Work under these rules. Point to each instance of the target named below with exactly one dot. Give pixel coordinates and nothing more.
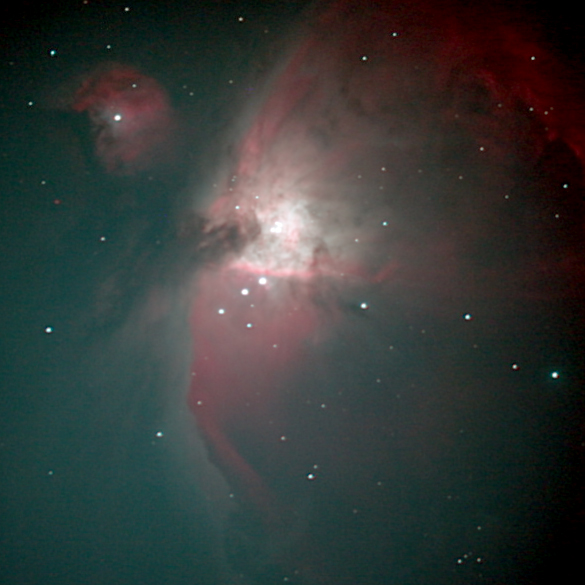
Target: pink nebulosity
(378, 163)
(131, 116)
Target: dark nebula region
(400, 165)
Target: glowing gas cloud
(131, 117)
(388, 164)
(401, 164)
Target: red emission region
(131, 118)
(400, 158)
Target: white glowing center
(287, 241)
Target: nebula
(400, 170)
(131, 117)
(400, 159)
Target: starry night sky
(421, 420)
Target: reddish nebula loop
(131, 117)
(382, 154)
(247, 336)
